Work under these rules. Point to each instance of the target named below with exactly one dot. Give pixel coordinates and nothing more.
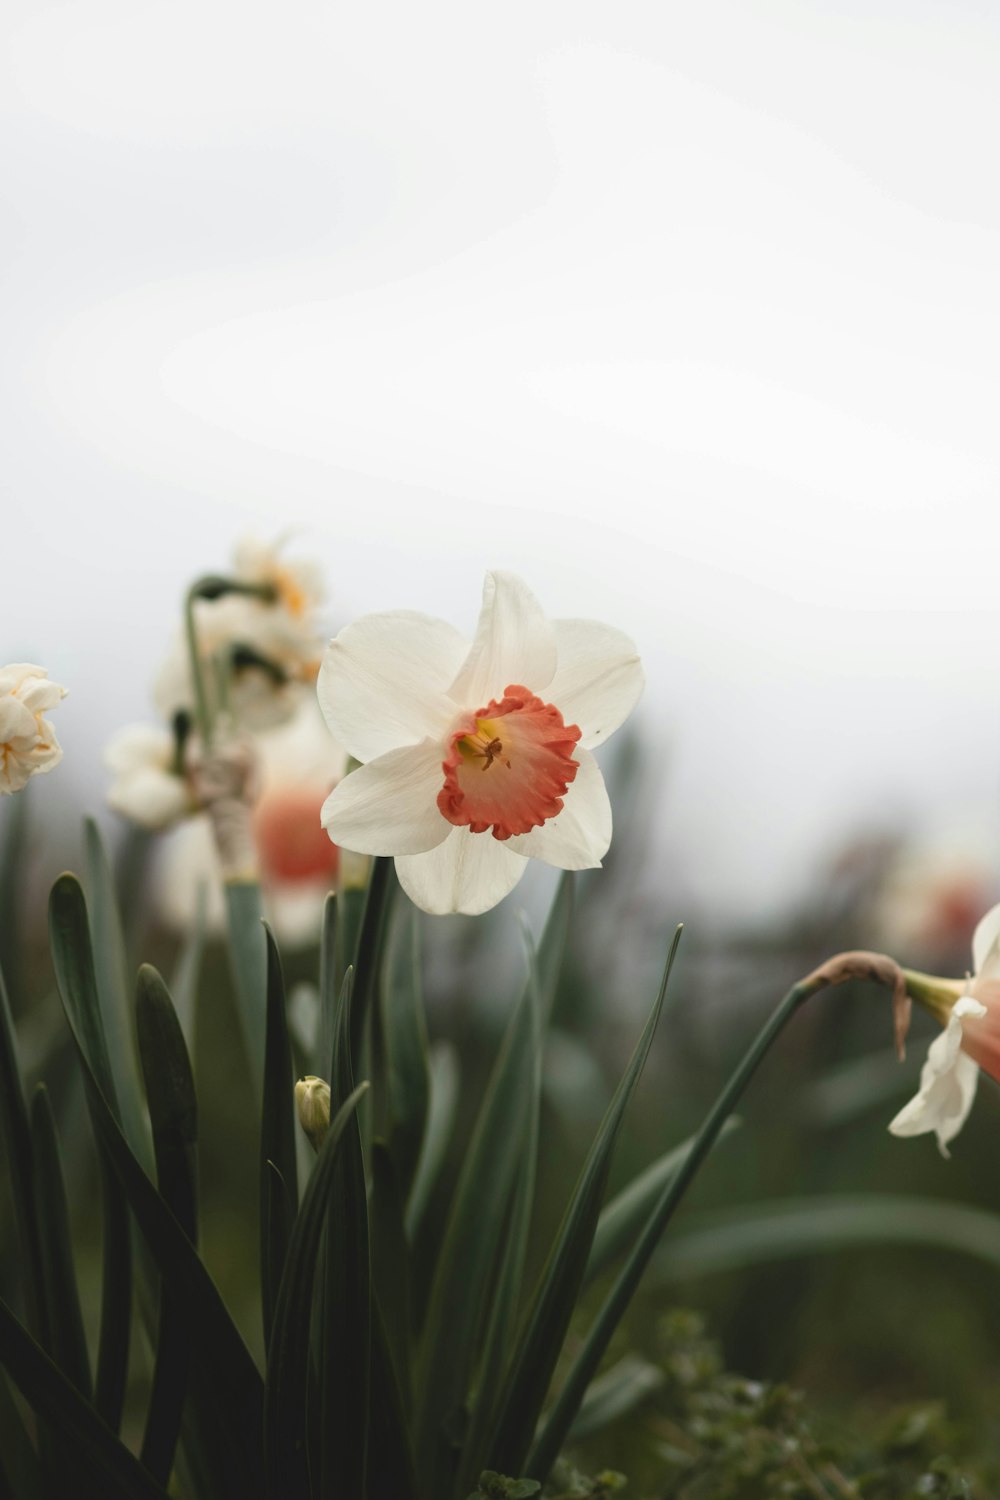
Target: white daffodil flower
(146, 788)
(970, 1012)
(475, 757)
(28, 743)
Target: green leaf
(279, 1193)
(248, 959)
(391, 1470)
(390, 1265)
(14, 814)
(367, 960)
(614, 1394)
(507, 1293)
(345, 1362)
(442, 1080)
(623, 1217)
(406, 1047)
(116, 1296)
(559, 1286)
(286, 1390)
(472, 1243)
(329, 984)
(552, 948)
(217, 1346)
(113, 996)
(174, 1117)
(187, 971)
(17, 1141)
(57, 1401)
(730, 1239)
(62, 1297)
(73, 961)
(19, 1466)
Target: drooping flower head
(475, 756)
(149, 787)
(969, 1009)
(28, 743)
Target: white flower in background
(28, 743)
(276, 642)
(146, 787)
(297, 863)
(475, 757)
(970, 1012)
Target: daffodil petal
(153, 799)
(986, 942)
(578, 837)
(384, 680)
(389, 806)
(469, 872)
(598, 678)
(948, 1083)
(17, 723)
(515, 643)
(137, 747)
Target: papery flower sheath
(475, 757)
(970, 1011)
(28, 743)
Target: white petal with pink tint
(578, 837)
(515, 643)
(598, 678)
(469, 872)
(986, 941)
(384, 681)
(948, 1082)
(388, 806)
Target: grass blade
(248, 960)
(111, 972)
(406, 1048)
(16, 1132)
(62, 1297)
(367, 960)
(391, 1470)
(286, 1391)
(19, 1467)
(58, 1402)
(390, 1267)
(442, 1085)
(614, 1394)
(555, 1298)
(278, 1172)
(173, 1115)
(116, 1296)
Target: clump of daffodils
(476, 756)
(28, 744)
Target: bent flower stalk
(475, 757)
(969, 1009)
(28, 743)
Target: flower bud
(312, 1102)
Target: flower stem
(553, 1435)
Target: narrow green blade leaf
(278, 1172)
(391, 1469)
(390, 1266)
(623, 1217)
(248, 959)
(541, 1340)
(16, 1133)
(116, 1296)
(442, 1079)
(329, 984)
(552, 948)
(286, 1390)
(406, 1047)
(345, 1359)
(113, 996)
(730, 1239)
(472, 1243)
(62, 1297)
(19, 1464)
(216, 1344)
(367, 961)
(14, 815)
(187, 971)
(173, 1115)
(73, 961)
(58, 1402)
(507, 1294)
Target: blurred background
(689, 315)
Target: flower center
(508, 766)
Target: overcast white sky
(689, 314)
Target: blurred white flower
(272, 644)
(475, 757)
(970, 1012)
(297, 864)
(147, 789)
(28, 743)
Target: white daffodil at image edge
(475, 757)
(969, 1010)
(28, 743)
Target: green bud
(312, 1101)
